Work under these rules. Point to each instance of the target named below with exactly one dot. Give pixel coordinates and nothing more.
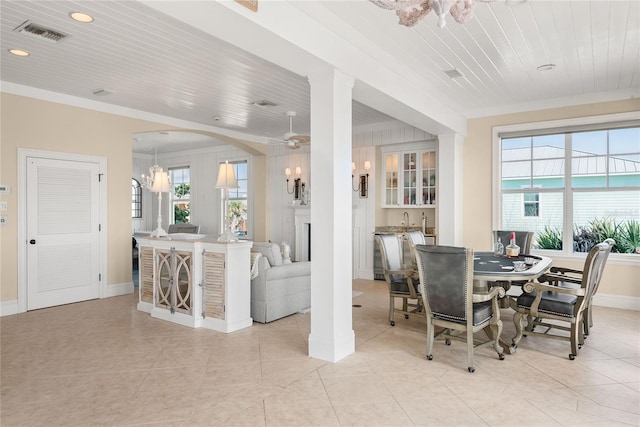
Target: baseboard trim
(623, 302)
(118, 289)
(8, 308)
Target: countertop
(392, 229)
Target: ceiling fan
(291, 139)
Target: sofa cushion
(269, 250)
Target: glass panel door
(428, 178)
(409, 178)
(391, 179)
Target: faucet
(405, 218)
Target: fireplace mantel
(302, 217)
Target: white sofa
(281, 287)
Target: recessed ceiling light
(546, 67)
(81, 17)
(19, 52)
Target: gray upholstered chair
(413, 238)
(558, 275)
(523, 239)
(184, 227)
(562, 299)
(401, 279)
(446, 285)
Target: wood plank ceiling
(154, 63)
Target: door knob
(32, 241)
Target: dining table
(490, 269)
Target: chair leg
(587, 320)
(470, 360)
(517, 320)
(430, 337)
(496, 329)
(581, 323)
(530, 326)
(575, 329)
(391, 309)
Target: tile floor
(104, 363)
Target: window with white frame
(238, 207)
(587, 178)
(136, 199)
(180, 195)
(531, 204)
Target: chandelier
(411, 11)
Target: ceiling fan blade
(300, 139)
(292, 145)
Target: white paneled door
(63, 240)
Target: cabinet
(410, 176)
(195, 281)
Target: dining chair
(413, 238)
(446, 285)
(562, 299)
(559, 274)
(401, 280)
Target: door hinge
(100, 177)
(99, 227)
(99, 277)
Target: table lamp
(227, 180)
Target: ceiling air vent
(454, 73)
(264, 103)
(49, 34)
(102, 92)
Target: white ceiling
(169, 58)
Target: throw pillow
(269, 250)
(286, 253)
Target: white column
(331, 336)
(450, 197)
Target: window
(180, 195)
(531, 204)
(587, 178)
(136, 199)
(238, 200)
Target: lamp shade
(161, 182)
(226, 177)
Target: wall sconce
(298, 185)
(363, 182)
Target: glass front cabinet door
(391, 179)
(410, 176)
